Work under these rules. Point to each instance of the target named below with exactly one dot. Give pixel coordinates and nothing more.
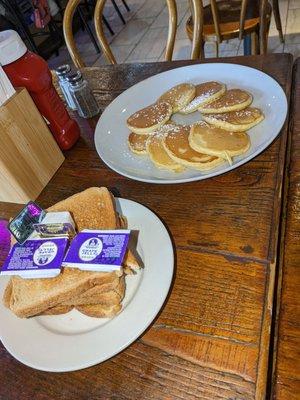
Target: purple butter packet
(101, 251)
(4, 241)
(36, 258)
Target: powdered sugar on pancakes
(150, 116)
(179, 96)
(230, 98)
(205, 92)
(166, 129)
(249, 114)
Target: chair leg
(247, 45)
(118, 11)
(89, 31)
(264, 24)
(217, 48)
(254, 43)
(263, 41)
(107, 25)
(61, 11)
(277, 18)
(87, 6)
(126, 5)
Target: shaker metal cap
(73, 79)
(63, 70)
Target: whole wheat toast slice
(96, 297)
(99, 303)
(33, 296)
(122, 222)
(96, 292)
(99, 295)
(94, 208)
(105, 299)
(102, 300)
(100, 311)
(93, 310)
(110, 282)
(7, 294)
(60, 309)
(130, 261)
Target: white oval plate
(74, 341)
(112, 133)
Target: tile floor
(143, 37)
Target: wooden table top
(287, 357)
(211, 340)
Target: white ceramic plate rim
(221, 170)
(139, 313)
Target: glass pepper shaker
(62, 72)
(82, 95)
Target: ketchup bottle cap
(12, 47)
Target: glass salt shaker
(62, 72)
(82, 95)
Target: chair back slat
(197, 42)
(263, 27)
(98, 22)
(216, 19)
(172, 29)
(242, 18)
(68, 33)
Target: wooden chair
(71, 45)
(197, 47)
(73, 6)
(230, 19)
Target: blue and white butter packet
(101, 251)
(36, 258)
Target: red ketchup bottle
(27, 69)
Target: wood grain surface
(29, 155)
(287, 354)
(211, 339)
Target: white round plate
(74, 341)
(112, 133)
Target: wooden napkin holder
(29, 155)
